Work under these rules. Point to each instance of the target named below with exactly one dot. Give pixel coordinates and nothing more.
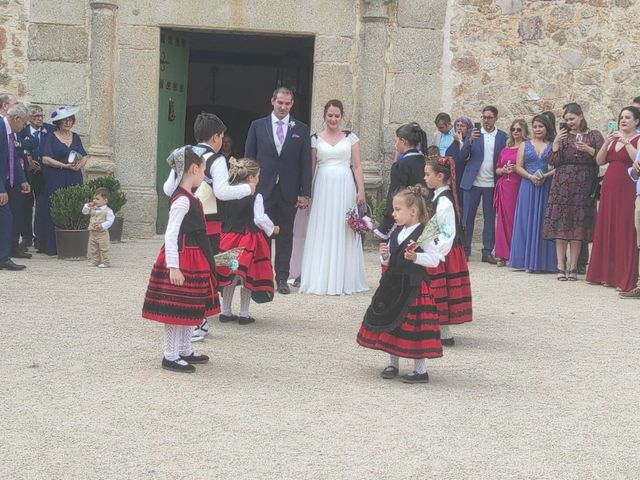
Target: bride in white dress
(332, 263)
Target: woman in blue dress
(63, 158)
(529, 250)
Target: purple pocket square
(295, 135)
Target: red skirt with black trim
(451, 288)
(189, 303)
(417, 337)
(254, 263)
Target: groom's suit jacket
(291, 169)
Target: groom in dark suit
(282, 147)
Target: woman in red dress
(614, 256)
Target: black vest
(238, 215)
(433, 207)
(192, 228)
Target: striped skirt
(189, 303)
(451, 288)
(417, 337)
(254, 263)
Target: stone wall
(13, 47)
(526, 56)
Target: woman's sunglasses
(516, 129)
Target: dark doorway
(234, 75)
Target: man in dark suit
(282, 147)
(481, 153)
(32, 139)
(11, 175)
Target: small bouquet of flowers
(357, 219)
(229, 258)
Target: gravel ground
(543, 384)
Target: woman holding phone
(463, 129)
(571, 212)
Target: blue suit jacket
(292, 168)
(18, 172)
(30, 144)
(473, 154)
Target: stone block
(139, 212)
(531, 28)
(73, 12)
(138, 37)
(415, 97)
(572, 59)
(136, 118)
(408, 57)
(332, 80)
(58, 43)
(422, 13)
(334, 49)
(58, 83)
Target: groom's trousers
(283, 214)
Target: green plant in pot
(72, 235)
(116, 201)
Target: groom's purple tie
(280, 131)
(11, 157)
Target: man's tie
(12, 147)
(280, 131)
(38, 133)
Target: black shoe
(489, 259)
(283, 288)
(19, 253)
(448, 342)
(389, 372)
(246, 320)
(9, 265)
(415, 378)
(296, 282)
(227, 318)
(176, 367)
(195, 359)
(25, 246)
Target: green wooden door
(172, 107)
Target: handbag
(595, 188)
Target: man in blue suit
(481, 153)
(11, 175)
(282, 147)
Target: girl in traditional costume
(402, 319)
(182, 287)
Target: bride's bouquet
(357, 219)
(229, 258)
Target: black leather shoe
(296, 282)
(9, 265)
(227, 318)
(489, 259)
(283, 288)
(19, 253)
(415, 378)
(448, 342)
(195, 359)
(245, 320)
(176, 367)
(389, 372)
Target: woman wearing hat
(63, 157)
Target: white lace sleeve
(430, 257)
(179, 209)
(260, 218)
(170, 184)
(314, 141)
(353, 138)
(221, 188)
(446, 217)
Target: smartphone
(564, 125)
(612, 126)
(477, 125)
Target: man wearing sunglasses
(481, 153)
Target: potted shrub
(72, 234)
(116, 202)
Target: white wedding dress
(332, 263)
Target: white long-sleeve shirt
(179, 208)
(220, 177)
(446, 218)
(429, 257)
(260, 218)
(106, 225)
